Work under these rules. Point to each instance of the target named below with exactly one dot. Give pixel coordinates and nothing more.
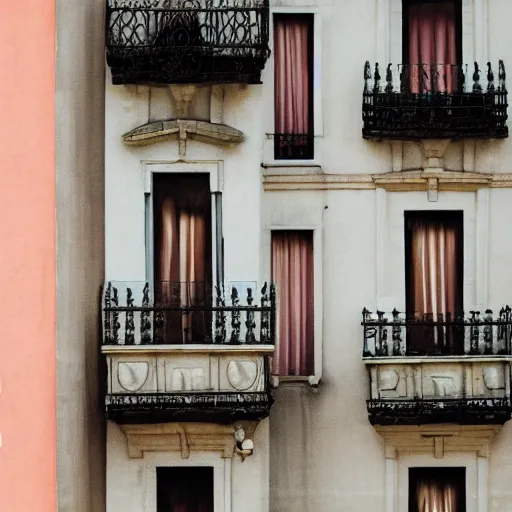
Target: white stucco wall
(322, 453)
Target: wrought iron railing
(187, 312)
(294, 146)
(397, 334)
(187, 41)
(412, 102)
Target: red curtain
(432, 47)
(291, 76)
(292, 273)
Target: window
(293, 87)
(434, 280)
(432, 44)
(184, 489)
(293, 275)
(182, 256)
(437, 489)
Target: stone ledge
(404, 181)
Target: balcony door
(432, 44)
(182, 256)
(434, 281)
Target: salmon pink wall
(27, 256)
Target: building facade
(306, 256)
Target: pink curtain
(291, 76)
(292, 273)
(436, 496)
(432, 47)
(434, 279)
(182, 259)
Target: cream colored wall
(323, 451)
(80, 257)
(324, 455)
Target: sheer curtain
(182, 260)
(291, 76)
(434, 281)
(183, 254)
(432, 47)
(292, 273)
(437, 496)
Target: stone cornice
(437, 439)
(405, 181)
(181, 437)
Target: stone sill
(436, 359)
(187, 349)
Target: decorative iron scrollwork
(186, 312)
(129, 319)
(434, 101)
(235, 316)
(191, 41)
(478, 334)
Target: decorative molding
(187, 349)
(183, 129)
(406, 181)
(437, 439)
(181, 437)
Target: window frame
(309, 18)
(222, 471)
(311, 238)
(215, 172)
(456, 216)
(268, 84)
(476, 480)
(317, 230)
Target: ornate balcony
(190, 41)
(415, 102)
(181, 353)
(438, 369)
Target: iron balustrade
(422, 411)
(439, 101)
(392, 335)
(187, 312)
(187, 41)
(294, 146)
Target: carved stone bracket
(433, 151)
(181, 437)
(183, 129)
(183, 94)
(437, 439)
